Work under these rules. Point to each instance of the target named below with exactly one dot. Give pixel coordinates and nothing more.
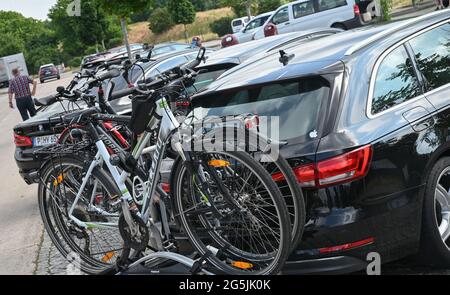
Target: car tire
(59, 77)
(42, 81)
(339, 26)
(435, 237)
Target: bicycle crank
(134, 239)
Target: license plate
(45, 140)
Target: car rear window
(297, 104)
(237, 23)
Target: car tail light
(22, 141)
(340, 169)
(344, 168)
(356, 10)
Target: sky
(30, 8)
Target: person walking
(439, 4)
(19, 86)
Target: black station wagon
(366, 118)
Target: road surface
(21, 230)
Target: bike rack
(188, 262)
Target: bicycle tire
(280, 206)
(56, 227)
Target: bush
(160, 21)
(75, 62)
(222, 26)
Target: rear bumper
(44, 78)
(28, 166)
(355, 22)
(326, 266)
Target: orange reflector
(242, 264)
(219, 163)
(108, 256)
(58, 180)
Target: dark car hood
(54, 112)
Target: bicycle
(136, 225)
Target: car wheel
(435, 239)
(59, 77)
(339, 26)
(42, 81)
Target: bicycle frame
(168, 125)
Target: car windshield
(256, 23)
(295, 104)
(203, 80)
(49, 68)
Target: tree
(29, 36)
(89, 29)
(269, 5)
(124, 9)
(242, 7)
(222, 26)
(183, 12)
(160, 20)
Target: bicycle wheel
(249, 234)
(281, 172)
(97, 248)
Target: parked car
(221, 61)
(93, 61)
(247, 33)
(238, 23)
(42, 129)
(313, 14)
(365, 117)
(48, 72)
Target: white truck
(7, 64)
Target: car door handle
(287, 24)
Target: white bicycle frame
(168, 124)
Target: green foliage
(125, 8)
(75, 62)
(160, 21)
(256, 6)
(202, 5)
(182, 11)
(29, 36)
(222, 26)
(386, 6)
(92, 28)
(269, 5)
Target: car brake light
(344, 168)
(22, 141)
(340, 169)
(356, 10)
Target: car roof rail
(385, 33)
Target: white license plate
(45, 140)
